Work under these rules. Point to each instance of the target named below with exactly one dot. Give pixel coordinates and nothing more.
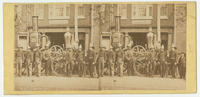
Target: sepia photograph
(83, 46)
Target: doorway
(138, 39)
(56, 38)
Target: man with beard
(91, 61)
(69, 61)
(111, 60)
(129, 60)
(81, 63)
(47, 61)
(182, 65)
(101, 62)
(38, 58)
(173, 65)
(120, 60)
(162, 60)
(29, 61)
(19, 60)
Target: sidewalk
(104, 83)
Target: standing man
(69, 61)
(71, 64)
(162, 60)
(172, 56)
(153, 62)
(47, 61)
(66, 59)
(19, 60)
(111, 60)
(101, 61)
(128, 58)
(182, 65)
(81, 63)
(92, 61)
(29, 62)
(38, 57)
(120, 60)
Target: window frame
(165, 16)
(52, 8)
(82, 16)
(147, 7)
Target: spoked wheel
(139, 53)
(139, 49)
(57, 56)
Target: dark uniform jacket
(29, 56)
(162, 56)
(120, 54)
(111, 56)
(38, 54)
(19, 54)
(91, 55)
(80, 56)
(172, 55)
(69, 56)
(102, 53)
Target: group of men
(113, 62)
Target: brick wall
(181, 27)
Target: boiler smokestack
(35, 23)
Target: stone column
(76, 25)
(86, 42)
(174, 38)
(158, 25)
(92, 27)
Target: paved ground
(104, 83)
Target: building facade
(102, 24)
